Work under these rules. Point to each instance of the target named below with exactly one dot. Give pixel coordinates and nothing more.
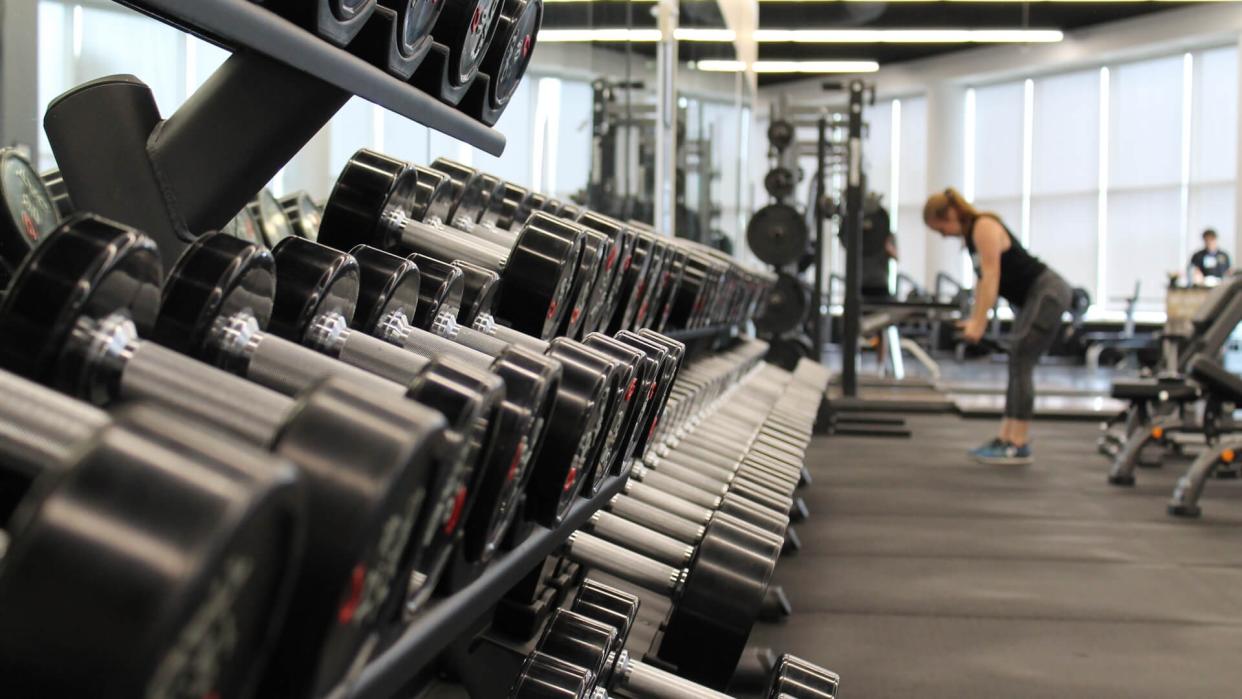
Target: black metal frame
(449, 619)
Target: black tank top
(1018, 268)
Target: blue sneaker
(1001, 453)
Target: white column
(946, 166)
(666, 124)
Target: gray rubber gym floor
(925, 575)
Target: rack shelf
(242, 24)
(446, 619)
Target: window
(911, 164)
(998, 152)
(1065, 175)
(1213, 148)
(1145, 220)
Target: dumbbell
(338, 21)
(220, 529)
(640, 284)
(716, 598)
(508, 57)
(303, 214)
(222, 295)
(616, 246)
(437, 311)
(58, 190)
(245, 225)
(318, 311)
(580, 401)
(388, 299)
(592, 634)
(371, 204)
(29, 212)
(274, 224)
(398, 35)
(462, 35)
(69, 320)
(600, 253)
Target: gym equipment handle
(671, 503)
(637, 680)
(40, 428)
(655, 518)
(234, 404)
(631, 534)
(623, 563)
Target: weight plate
(231, 519)
(86, 268)
(467, 28)
(777, 234)
(303, 214)
(571, 436)
(780, 182)
(273, 223)
(479, 290)
(442, 291)
(788, 305)
(510, 52)
(579, 640)
(709, 624)
(216, 277)
(388, 288)
(417, 17)
(780, 134)
(538, 276)
(59, 191)
(315, 280)
(546, 677)
(29, 212)
(245, 226)
(434, 197)
(372, 197)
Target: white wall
(1214, 190)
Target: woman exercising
(1038, 295)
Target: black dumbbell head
(480, 290)
(312, 280)
(29, 212)
(273, 221)
(442, 291)
(372, 195)
(607, 605)
(579, 640)
(215, 277)
(797, 679)
(546, 677)
(510, 52)
(433, 198)
(387, 285)
(467, 27)
(231, 519)
(88, 267)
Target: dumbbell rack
(178, 176)
(447, 619)
(241, 23)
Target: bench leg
(1185, 500)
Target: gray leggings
(1035, 327)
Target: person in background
(1038, 295)
(1210, 263)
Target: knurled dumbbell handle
(682, 508)
(636, 680)
(40, 428)
(633, 535)
(381, 358)
(656, 518)
(622, 562)
(289, 368)
(231, 403)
